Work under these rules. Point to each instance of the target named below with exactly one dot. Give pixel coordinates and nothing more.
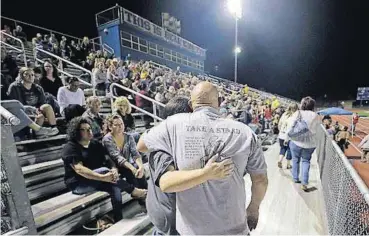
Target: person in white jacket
(364, 145)
(71, 99)
(303, 145)
(282, 136)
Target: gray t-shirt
(219, 206)
(161, 207)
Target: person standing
(282, 136)
(301, 132)
(209, 206)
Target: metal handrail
(68, 62)
(67, 74)
(143, 111)
(21, 43)
(135, 93)
(154, 103)
(108, 48)
(42, 28)
(9, 117)
(20, 231)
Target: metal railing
(67, 74)
(345, 194)
(108, 15)
(154, 103)
(17, 49)
(9, 117)
(18, 22)
(108, 49)
(60, 59)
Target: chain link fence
(345, 194)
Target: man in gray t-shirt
(215, 206)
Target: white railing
(60, 59)
(67, 74)
(17, 49)
(154, 102)
(108, 49)
(17, 22)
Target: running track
(362, 129)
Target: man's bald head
(204, 94)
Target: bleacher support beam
(13, 189)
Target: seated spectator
(122, 70)
(5, 38)
(50, 80)
(38, 74)
(19, 33)
(32, 96)
(123, 108)
(11, 64)
(88, 170)
(36, 41)
(93, 115)
(71, 99)
(144, 104)
(99, 77)
(85, 47)
(18, 110)
(122, 150)
(342, 138)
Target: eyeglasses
(86, 130)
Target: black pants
(131, 179)
(115, 191)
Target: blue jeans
(114, 190)
(304, 155)
(285, 149)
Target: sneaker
(297, 181)
(46, 132)
(304, 187)
(289, 166)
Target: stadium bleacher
(58, 211)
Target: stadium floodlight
(237, 50)
(235, 7)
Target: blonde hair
(20, 76)
(291, 109)
(91, 100)
(123, 101)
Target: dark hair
(70, 80)
(142, 86)
(55, 70)
(73, 131)
(345, 128)
(307, 104)
(177, 105)
(37, 70)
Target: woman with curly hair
(87, 169)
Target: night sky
(290, 47)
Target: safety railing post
(154, 112)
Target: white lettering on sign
(148, 26)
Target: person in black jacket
(32, 96)
(87, 169)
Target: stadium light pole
(235, 8)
